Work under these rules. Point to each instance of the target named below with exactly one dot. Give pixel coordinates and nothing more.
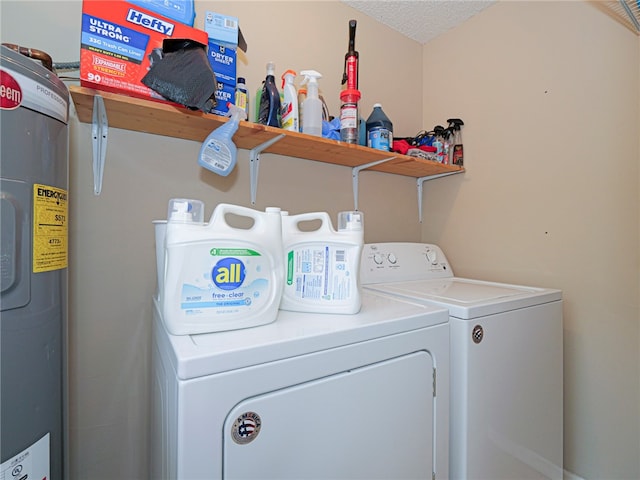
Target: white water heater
(34, 107)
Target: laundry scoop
(183, 74)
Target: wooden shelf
(159, 118)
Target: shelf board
(166, 119)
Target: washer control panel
(402, 261)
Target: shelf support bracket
(355, 171)
(99, 134)
(254, 164)
(421, 180)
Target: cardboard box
(223, 32)
(118, 39)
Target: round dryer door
(371, 422)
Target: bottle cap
(185, 210)
(350, 95)
(350, 221)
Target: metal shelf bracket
(421, 180)
(354, 177)
(254, 164)
(99, 134)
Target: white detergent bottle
(289, 102)
(218, 152)
(222, 277)
(323, 265)
(312, 105)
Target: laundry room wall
(549, 93)
(112, 257)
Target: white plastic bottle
(322, 266)
(218, 277)
(312, 120)
(289, 102)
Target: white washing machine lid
(468, 299)
(295, 333)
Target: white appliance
(322, 396)
(506, 361)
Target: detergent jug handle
(324, 217)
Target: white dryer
(309, 396)
(506, 361)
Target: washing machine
(309, 396)
(506, 361)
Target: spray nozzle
(288, 76)
(455, 123)
(236, 113)
(311, 77)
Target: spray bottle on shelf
(438, 142)
(270, 99)
(290, 102)
(312, 105)
(457, 151)
(302, 95)
(218, 152)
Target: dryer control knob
(392, 258)
(377, 258)
(432, 256)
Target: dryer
(322, 396)
(506, 361)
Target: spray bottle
(270, 99)
(290, 102)
(312, 104)
(218, 152)
(457, 151)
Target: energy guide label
(50, 228)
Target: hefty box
(119, 39)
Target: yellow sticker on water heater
(50, 229)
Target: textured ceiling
(420, 20)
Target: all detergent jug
(219, 277)
(323, 265)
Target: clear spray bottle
(312, 120)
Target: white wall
(549, 92)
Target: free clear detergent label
(320, 273)
(223, 281)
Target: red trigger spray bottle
(349, 117)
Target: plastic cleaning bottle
(270, 99)
(349, 118)
(302, 95)
(379, 129)
(242, 96)
(290, 102)
(322, 266)
(438, 143)
(218, 277)
(218, 152)
(457, 150)
(312, 104)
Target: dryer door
(372, 422)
